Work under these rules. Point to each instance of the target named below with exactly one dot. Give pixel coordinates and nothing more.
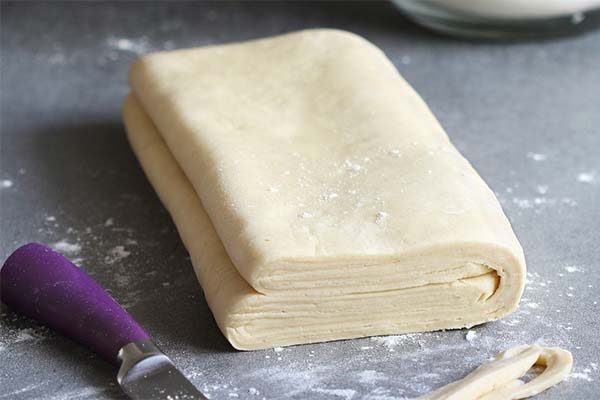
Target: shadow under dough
(88, 174)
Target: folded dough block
(318, 196)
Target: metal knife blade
(44, 285)
(147, 374)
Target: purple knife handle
(47, 287)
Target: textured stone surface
(525, 114)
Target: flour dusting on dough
(395, 153)
(453, 210)
(353, 166)
(329, 196)
(381, 217)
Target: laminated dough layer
(318, 196)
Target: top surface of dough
(311, 148)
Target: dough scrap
(316, 193)
(499, 379)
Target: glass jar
(503, 18)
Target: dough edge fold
(229, 296)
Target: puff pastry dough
(499, 379)
(318, 196)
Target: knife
(43, 285)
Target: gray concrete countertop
(526, 114)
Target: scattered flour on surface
(278, 349)
(24, 336)
(571, 269)
(510, 322)
(471, 335)
(581, 375)
(137, 46)
(109, 222)
(10, 335)
(536, 156)
(87, 393)
(371, 377)
(537, 203)
(6, 183)
(568, 201)
(78, 260)
(393, 341)
(303, 380)
(64, 246)
(305, 215)
(208, 389)
(116, 254)
(346, 394)
(522, 203)
(27, 388)
(587, 177)
(388, 341)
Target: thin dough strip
(498, 379)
